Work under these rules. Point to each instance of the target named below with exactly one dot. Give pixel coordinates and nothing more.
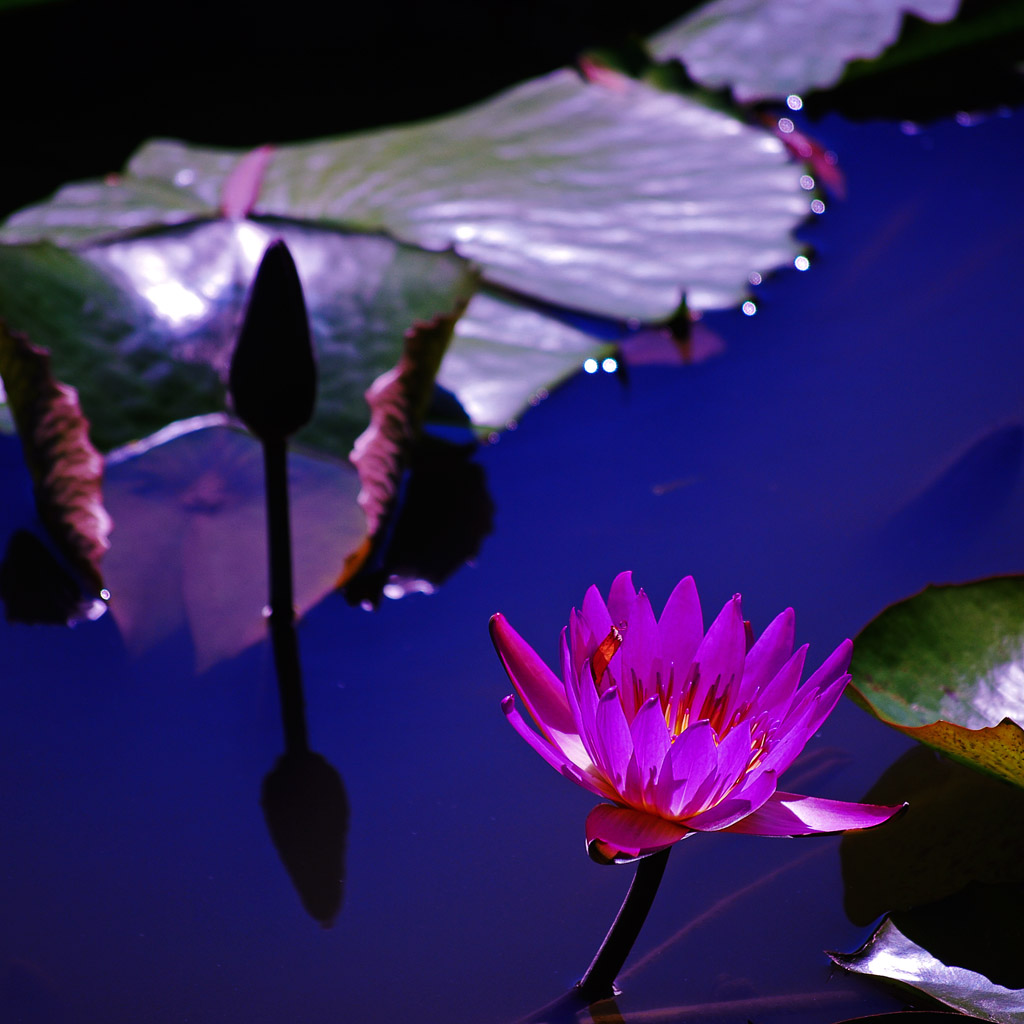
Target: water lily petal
(768, 655)
(582, 643)
(835, 665)
(740, 803)
(682, 626)
(734, 754)
(650, 744)
(616, 835)
(595, 611)
(776, 697)
(802, 722)
(789, 814)
(689, 770)
(620, 599)
(612, 739)
(641, 657)
(720, 656)
(539, 689)
(552, 754)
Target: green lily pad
(889, 954)
(615, 199)
(507, 355)
(766, 49)
(144, 327)
(947, 668)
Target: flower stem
(598, 982)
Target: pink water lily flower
(683, 731)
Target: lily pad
(617, 199)
(144, 327)
(947, 668)
(891, 955)
(769, 49)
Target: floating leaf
(891, 955)
(937, 70)
(947, 668)
(66, 469)
(145, 327)
(613, 200)
(506, 356)
(769, 49)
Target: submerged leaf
(66, 469)
(889, 954)
(769, 49)
(947, 668)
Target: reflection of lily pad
(190, 536)
(949, 871)
(767, 49)
(889, 954)
(947, 668)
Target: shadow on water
(949, 871)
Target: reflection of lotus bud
(306, 810)
(273, 372)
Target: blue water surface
(858, 439)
